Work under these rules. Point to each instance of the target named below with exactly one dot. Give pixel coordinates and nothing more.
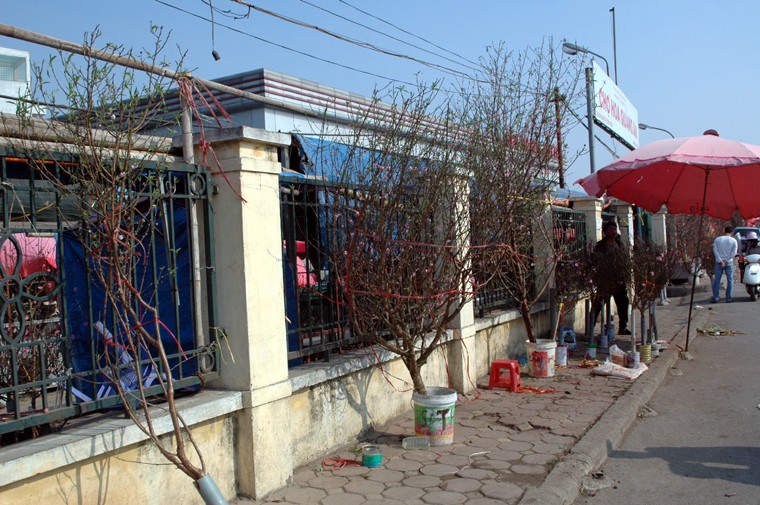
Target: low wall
(108, 460)
(334, 404)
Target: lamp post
(643, 126)
(572, 50)
(663, 291)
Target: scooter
(751, 278)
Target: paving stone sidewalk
(506, 444)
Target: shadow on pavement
(735, 464)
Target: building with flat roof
(15, 78)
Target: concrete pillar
(463, 369)
(463, 366)
(592, 207)
(660, 238)
(659, 229)
(624, 213)
(251, 306)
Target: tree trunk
(530, 329)
(416, 376)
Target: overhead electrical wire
(260, 39)
(373, 47)
(387, 34)
(365, 45)
(359, 43)
(407, 32)
(227, 12)
(350, 40)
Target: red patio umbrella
(702, 175)
(687, 175)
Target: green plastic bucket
(434, 415)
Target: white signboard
(613, 111)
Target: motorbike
(751, 277)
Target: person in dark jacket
(612, 273)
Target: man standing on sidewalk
(724, 249)
(612, 272)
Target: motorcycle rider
(750, 247)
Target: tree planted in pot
(400, 230)
(119, 221)
(516, 116)
(651, 268)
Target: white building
(15, 78)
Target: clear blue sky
(686, 65)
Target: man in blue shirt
(724, 249)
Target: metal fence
(569, 229)
(490, 299)
(317, 317)
(55, 330)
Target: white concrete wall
(19, 60)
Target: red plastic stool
(509, 381)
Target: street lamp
(573, 49)
(643, 126)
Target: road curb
(562, 484)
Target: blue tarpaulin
(90, 316)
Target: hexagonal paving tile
(539, 459)
(304, 495)
(422, 481)
(344, 499)
(515, 445)
(502, 490)
(485, 501)
(403, 465)
(477, 474)
(327, 482)
(382, 475)
(528, 469)
(502, 455)
(454, 460)
(403, 493)
(444, 498)
(439, 470)
(420, 455)
(383, 501)
(460, 485)
(364, 487)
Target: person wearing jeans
(724, 249)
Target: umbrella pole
(696, 268)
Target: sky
(685, 65)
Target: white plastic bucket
(541, 357)
(561, 354)
(434, 415)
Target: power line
(372, 47)
(524, 87)
(302, 53)
(583, 123)
(386, 34)
(359, 43)
(407, 32)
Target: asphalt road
(700, 443)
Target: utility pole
(590, 112)
(557, 99)
(614, 45)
